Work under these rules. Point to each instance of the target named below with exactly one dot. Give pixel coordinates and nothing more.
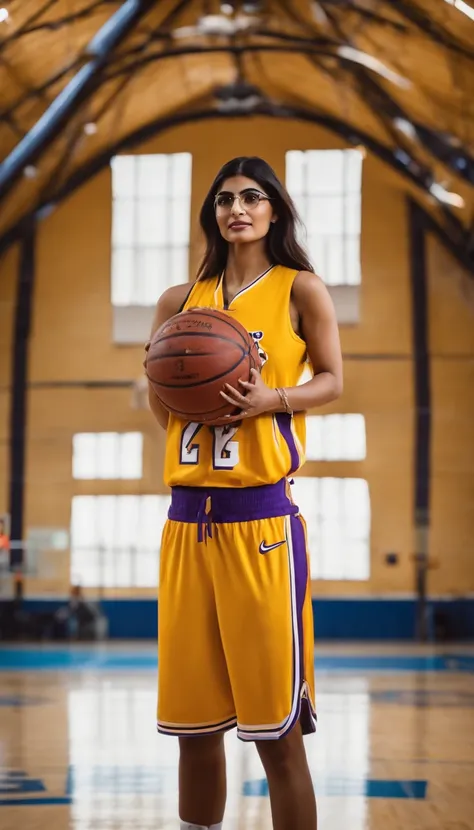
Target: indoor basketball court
(115, 118)
(394, 744)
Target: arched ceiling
(81, 79)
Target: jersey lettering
(225, 451)
(189, 452)
(257, 337)
(264, 449)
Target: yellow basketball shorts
(235, 623)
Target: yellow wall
(71, 342)
(451, 318)
(8, 271)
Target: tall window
(337, 513)
(150, 225)
(107, 455)
(335, 437)
(326, 188)
(115, 540)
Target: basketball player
(236, 643)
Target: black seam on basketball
(199, 383)
(232, 323)
(185, 354)
(202, 334)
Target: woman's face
(243, 219)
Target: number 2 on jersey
(225, 451)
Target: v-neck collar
(220, 287)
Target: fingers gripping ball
(192, 356)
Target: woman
(236, 639)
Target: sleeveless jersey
(259, 450)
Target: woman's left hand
(256, 397)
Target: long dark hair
(281, 242)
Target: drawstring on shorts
(204, 520)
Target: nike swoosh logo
(263, 548)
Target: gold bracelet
(285, 401)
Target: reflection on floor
(78, 747)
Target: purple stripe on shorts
(284, 425)
(230, 504)
(300, 566)
(300, 560)
(300, 570)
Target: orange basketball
(192, 356)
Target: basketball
(192, 356)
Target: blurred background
(114, 119)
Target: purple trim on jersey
(230, 504)
(283, 420)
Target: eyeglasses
(249, 200)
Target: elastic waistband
(233, 504)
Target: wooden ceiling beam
(111, 34)
(53, 25)
(426, 24)
(367, 14)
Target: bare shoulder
(172, 299)
(306, 283)
(170, 303)
(310, 294)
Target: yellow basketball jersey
(260, 450)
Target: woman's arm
(321, 335)
(320, 331)
(169, 304)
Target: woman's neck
(244, 264)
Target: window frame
(101, 542)
(101, 476)
(139, 296)
(304, 195)
(315, 534)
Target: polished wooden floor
(78, 747)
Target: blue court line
(414, 790)
(50, 659)
(16, 782)
(465, 662)
(69, 780)
(17, 701)
(370, 788)
(34, 802)
(118, 780)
